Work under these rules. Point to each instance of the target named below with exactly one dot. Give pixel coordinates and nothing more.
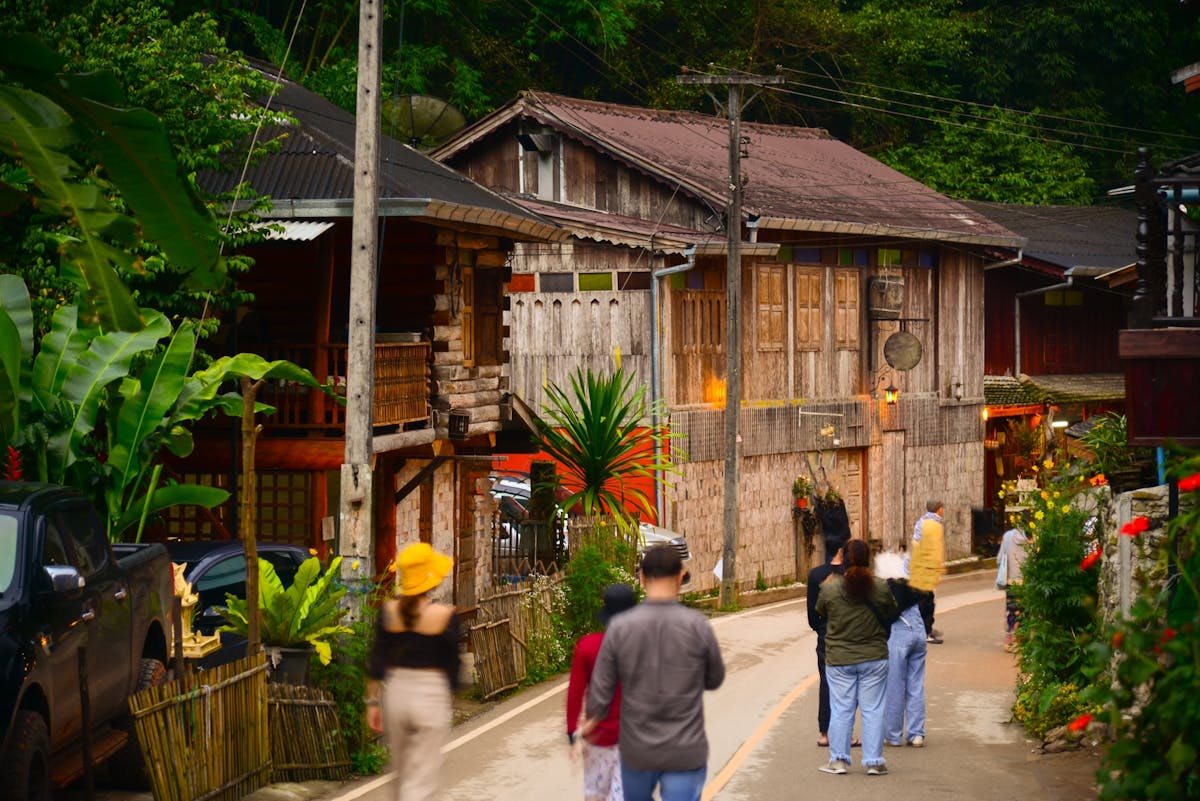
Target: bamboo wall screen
(207, 742)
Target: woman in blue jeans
(856, 607)
(905, 704)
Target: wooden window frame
(847, 302)
(770, 315)
(816, 339)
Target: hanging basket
(887, 296)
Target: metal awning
(294, 230)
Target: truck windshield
(8, 551)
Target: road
(762, 723)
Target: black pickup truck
(63, 590)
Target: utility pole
(356, 510)
(734, 80)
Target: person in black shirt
(833, 544)
(413, 671)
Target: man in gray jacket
(664, 656)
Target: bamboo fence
(306, 736)
(207, 742)
(508, 621)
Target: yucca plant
(308, 612)
(598, 433)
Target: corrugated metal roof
(295, 230)
(316, 163)
(800, 178)
(1069, 236)
(602, 226)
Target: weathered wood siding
(767, 541)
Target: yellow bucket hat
(422, 568)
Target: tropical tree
(97, 408)
(598, 434)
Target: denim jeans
(673, 785)
(858, 686)
(905, 706)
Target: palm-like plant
(598, 435)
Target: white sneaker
(835, 766)
(877, 770)
(917, 742)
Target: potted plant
(801, 490)
(297, 621)
(1112, 456)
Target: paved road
(762, 723)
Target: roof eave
(879, 229)
(503, 223)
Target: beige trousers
(416, 718)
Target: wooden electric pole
(356, 539)
(734, 80)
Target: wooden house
(440, 367)
(1052, 318)
(1160, 345)
(855, 279)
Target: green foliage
(1108, 443)
(307, 612)
(344, 677)
(999, 159)
(95, 409)
(1057, 597)
(592, 568)
(1150, 700)
(599, 436)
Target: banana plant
(96, 409)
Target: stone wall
(952, 473)
(1130, 564)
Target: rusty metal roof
(312, 174)
(1070, 236)
(603, 226)
(798, 178)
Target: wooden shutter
(771, 313)
(846, 312)
(489, 313)
(808, 309)
(468, 316)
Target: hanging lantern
(891, 394)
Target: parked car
(512, 493)
(217, 567)
(63, 592)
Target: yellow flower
(1000, 494)
(1049, 463)
(1035, 468)
(1032, 524)
(354, 565)
(1039, 514)
(312, 551)
(1045, 495)
(1066, 508)
(1057, 493)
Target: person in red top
(601, 762)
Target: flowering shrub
(1057, 597)
(1151, 698)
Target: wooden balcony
(1161, 346)
(402, 382)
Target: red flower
(12, 469)
(1118, 639)
(1190, 484)
(1091, 559)
(1080, 723)
(1167, 636)
(1135, 526)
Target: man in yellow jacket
(927, 562)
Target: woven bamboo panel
(401, 383)
(496, 657)
(207, 742)
(306, 739)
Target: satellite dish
(902, 350)
(420, 120)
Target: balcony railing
(402, 377)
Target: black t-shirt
(413, 650)
(815, 578)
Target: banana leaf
(60, 349)
(107, 359)
(166, 497)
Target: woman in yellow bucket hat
(413, 672)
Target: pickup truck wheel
(26, 766)
(127, 766)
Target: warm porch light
(891, 394)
